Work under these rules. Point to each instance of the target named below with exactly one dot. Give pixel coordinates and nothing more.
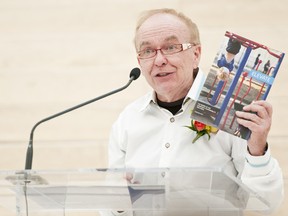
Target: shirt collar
(149, 98)
(196, 88)
(193, 93)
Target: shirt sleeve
(116, 149)
(263, 175)
(116, 160)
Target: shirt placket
(168, 141)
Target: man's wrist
(258, 152)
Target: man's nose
(160, 59)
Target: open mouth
(163, 74)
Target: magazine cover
(243, 71)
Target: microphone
(134, 74)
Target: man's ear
(197, 55)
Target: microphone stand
(29, 153)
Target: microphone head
(135, 73)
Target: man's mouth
(162, 74)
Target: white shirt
(148, 136)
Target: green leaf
(191, 128)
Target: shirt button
(167, 145)
(172, 119)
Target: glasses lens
(166, 50)
(171, 49)
(147, 53)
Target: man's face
(170, 76)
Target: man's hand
(256, 116)
(130, 178)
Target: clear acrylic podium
(173, 191)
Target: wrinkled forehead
(162, 28)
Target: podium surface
(173, 191)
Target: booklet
(243, 71)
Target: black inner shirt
(173, 107)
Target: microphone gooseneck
(134, 74)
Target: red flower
(199, 126)
(201, 129)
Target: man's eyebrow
(144, 43)
(170, 38)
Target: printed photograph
(243, 71)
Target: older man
(151, 132)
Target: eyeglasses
(166, 50)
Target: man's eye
(148, 51)
(170, 48)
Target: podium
(199, 191)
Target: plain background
(55, 54)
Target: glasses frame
(184, 46)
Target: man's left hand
(256, 116)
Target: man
(256, 62)
(151, 131)
(226, 61)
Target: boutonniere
(201, 129)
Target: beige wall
(55, 54)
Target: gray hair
(194, 32)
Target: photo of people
(243, 71)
